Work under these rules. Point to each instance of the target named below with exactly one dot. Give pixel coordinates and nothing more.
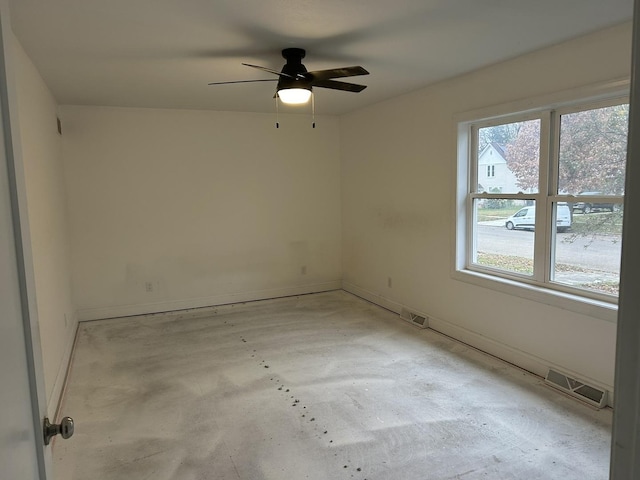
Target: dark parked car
(587, 207)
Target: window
(553, 217)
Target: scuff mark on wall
(392, 219)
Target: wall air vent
(594, 396)
(414, 318)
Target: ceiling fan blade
(335, 85)
(270, 70)
(244, 81)
(336, 73)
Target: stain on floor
(323, 386)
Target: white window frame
(537, 287)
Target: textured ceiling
(162, 53)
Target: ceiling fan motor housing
(294, 70)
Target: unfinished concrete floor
(323, 386)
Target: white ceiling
(162, 53)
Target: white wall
(215, 207)
(204, 207)
(397, 190)
(47, 213)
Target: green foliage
(496, 203)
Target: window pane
(509, 157)
(587, 256)
(593, 151)
(504, 234)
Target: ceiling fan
(295, 83)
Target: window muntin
(546, 164)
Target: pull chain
(313, 110)
(277, 111)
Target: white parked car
(526, 218)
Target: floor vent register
(414, 318)
(590, 394)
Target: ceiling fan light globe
(294, 96)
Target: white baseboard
(378, 299)
(54, 402)
(524, 360)
(116, 311)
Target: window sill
(555, 298)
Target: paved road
(598, 252)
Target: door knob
(64, 429)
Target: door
(22, 395)
(625, 445)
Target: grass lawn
(487, 214)
(608, 223)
